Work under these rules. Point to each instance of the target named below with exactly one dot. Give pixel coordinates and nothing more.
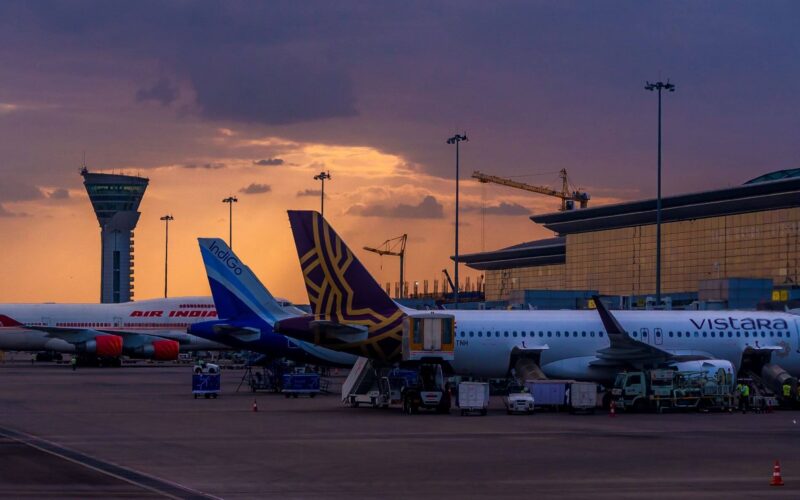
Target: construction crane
(395, 247)
(565, 194)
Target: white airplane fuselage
(570, 340)
(166, 318)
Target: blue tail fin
(237, 292)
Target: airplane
(352, 313)
(151, 329)
(247, 311)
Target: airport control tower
(115, 199)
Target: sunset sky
(211, 99)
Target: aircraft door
(117, 322)
(47, 321)
(658, 337)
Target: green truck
(669, 389)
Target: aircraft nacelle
(106, 346)
(159, 350)
(579, 368)
(713, 368)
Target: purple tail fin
(336, 282)
(341, 290)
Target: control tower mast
(115, 199)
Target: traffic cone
(255, 405)
(777, 480)
(612, 409)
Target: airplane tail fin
(237, 292)
(339, 287)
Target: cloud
(163, 91)
(502, 209)
(256, 189)
(309, 192)
(208, 166)
(267, 85)
(428, 208)
(6, 213)
(11, 190)
(59, 194)
(268, 162)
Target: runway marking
(154, 484)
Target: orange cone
(777, 480)
(612, 409)
(255, 405)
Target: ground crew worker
(787, 394)
(744, 399)
(74, 363)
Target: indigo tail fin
(237, 292)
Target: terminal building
(743, 234)
(115, 199)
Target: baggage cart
(206, 381)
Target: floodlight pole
(659, 86)
(456, 139)
(166, 220)
(230, 200)
(322, 176)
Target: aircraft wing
(624, 349)
(131, 339)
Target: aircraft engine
(711, 367)
(160, 350)
(109, 346)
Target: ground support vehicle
(297, 384)
(429, 392)
(206, 380)
(519, 400)
(667, 389)
(473, 397)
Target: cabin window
(712, 334)
(480, 334)
(738, 334)
(591, 334)
(462, 335)
(780, 334)
(506, 334)
(574, 334)
(558, 334)
(771, 334)
(583, 334)
(746, 334)
(541, 334)
(524, 334)
(599, 334)
(670, 334)
(705, 334)
(549, 334)
(471, 334)
(763, 334)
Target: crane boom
(565, 194)
(396, 247)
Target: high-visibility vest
(787, 390)
(745, 390)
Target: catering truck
(665, 389)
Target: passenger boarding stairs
(362, 379)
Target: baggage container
(473, 397)
(295, 384)
(549, 393)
